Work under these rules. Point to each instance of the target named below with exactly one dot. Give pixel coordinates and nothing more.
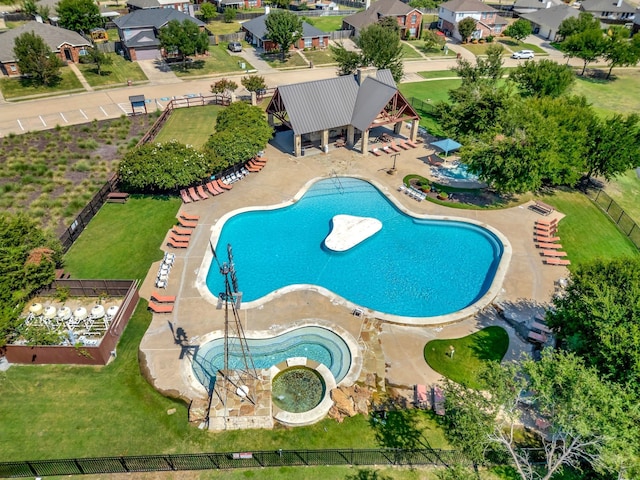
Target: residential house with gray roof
(409, 18)
(545, 22)
(530, 6)
(488, 22)
(256, 35)
(180, 5)
(610, 11)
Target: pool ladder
(336, 181)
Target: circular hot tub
(297, 389)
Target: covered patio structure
(342, 109)
(447, 145)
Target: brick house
(409, 19)
(488, 22)
(256, 35)
(67, 45)
(179, 5)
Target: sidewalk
(83, 81)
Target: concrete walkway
(158, 72)
(74, 68)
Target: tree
(587, 46)
(466, 27)
(79, 15)
(572, 25)
(224, 87)
(381, 48)
(254, 83)
(162, 167)
(30, 7)
(486, 70)
(426, 4)
(519, 30)
(99, 59)
(620, 52)
(284, 28)
(433, 41)
(183, 38)
(208, 12)
(542, 78)
(229, 14)
(348, 61)
(390, 23)
(36, 60)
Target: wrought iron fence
(626, 224)
(230, 460)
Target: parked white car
(523, 54)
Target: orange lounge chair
(155, 308)
(553, 253)
(376, 152)
(411, 144)
(537, 337)
(394, 147)
(185, 196)
(549, 246)
(156, 297)
(549, 233)
(223, 185)
(261, 160)
(253, 168)
(253, 163)
(547, 222)
(556, 261)
(179, 237)
(173, 244)
(187, 216)
(403, 145)
(192, 193)
(187, 223)
(386, 148)
(182, 231)
(421, 399)
(546, 239)
(203, 195)
(214, 189)
(546, 228)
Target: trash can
(302, 152)
(129, 83)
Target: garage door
(147, 54)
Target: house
(610, 11)
(256, 35)
(138, 31)
(353, 104)
(488, 22)
(409, 19)
(67, 45)
(545, 22)
(636, 25)
(179, 5)
(313, 5)
(530, 6)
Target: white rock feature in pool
(349, 230)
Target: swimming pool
(313, 342)
(456, 171)
(410, 268)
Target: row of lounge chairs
(214, 187)
(255, 164)
(163, 271)
(179, 237)
(546, 238)
(413, 193)
(390, 147)
(161, 303)
(539, 331)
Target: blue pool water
(315, 343)
(456, 171)
(413, 268)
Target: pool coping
(276, 330)
(484, 301)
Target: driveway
(158, 72)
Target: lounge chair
(173, 244)
(438, 400)
(401, 144)
(187, 223)
(553, 253)
(193, 194)
(537, 337)
(411, 143)
(214, 189)
(223, 185)
(156, 297)
(421, 396)
(185, 196)
(203, 195)
(546, 238)
(180, 231)
(546, 228)
(180, 238)
(542, 231)
(549, 246)
(434, 160)
(547, 222)
(259, 160)
(556, 261)
(255, 163)
(542, 328)
(386, 148)
(253, 169)
(187, 216)
(376, 151)
(155, 308)
(394, 147)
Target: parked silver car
(235, 46)
(523, 54)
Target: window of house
(414, 18)
(308, 43)
(13, 68)
(484, 15)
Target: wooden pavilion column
(351, 133)
(297, 145)
(413, 135)
(365, 142)
(324, 139)
(397, 127)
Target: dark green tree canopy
(284, 28)
(99, 59)
(229, 14)
(381, 48)
(572, 25)
(79, 15)
(620, 51)
(433, 41)
(542, 78)
(36, 60)
(466, 27)
(254, 83)
(183, 38)
(162, 167)
(486, 70)
(519, 30)
(587, 46)
(208, 12)
(348, 60)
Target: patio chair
(438, 400)
(214, 189)
(187, 223)
(261, 160)
(553, 253)
(376, 151)
(546, 238)
(549, 246)
(542, 328)
(411, 143)
(223, 185)
(180, 231)
(253, 163)
(174, 244)
(556, 261)
(403, 145)
(203, 195)
(187, 216)
(253, 168)
(537, 337)
(156, 297)
(192, 193)
(185, 196)
(155, 308)
(394, 147)
(175, 238)
(545, 222)
(421, 396)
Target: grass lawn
(430, 92)
(19, 87)
(219, 27)
(477, 48)
(218, 61)
(190, 125)
(122, 240)
(438, 52)
(293, 59)
(409, 52)
(586, 232)
(320, 57)
(117, 73)
(514, 46)
(606, 95)
(489, 344)
(625, 190)
(326, 24)
(439, 74)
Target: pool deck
(388, 350)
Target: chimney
(365, 72)
(619, 4)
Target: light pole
(392, 171)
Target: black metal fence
(226, 461)
(422, 105)
(626, 224)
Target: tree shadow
(491, 345)
(30, 82)
(397, 426)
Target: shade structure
(447, 145)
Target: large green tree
(348, 61)
(79, 15)
(183, 38)
(284, 28)
(162, 167)
(486, 70)
(620, 51)
(572, 25)
(36, 60)
(466, 27)
(99, 59)
(542, 78)
(519, 30)
(254, 83)
(208, 12)
(224, 87)
(587, 46)
(381, 47)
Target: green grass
(115, 74)
(326, 24)
(431, 92)
(437, 52)
(219, 27)
(319, 57)
(200, 121)
(291, 60)
(439, 74)
(471, 352)
(409, 52)
(19, 87)
(219, 61)
(586, 233)
(122, 240)
(625, 190)
(514, 46)
(606, 96)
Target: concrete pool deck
(390, 351)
